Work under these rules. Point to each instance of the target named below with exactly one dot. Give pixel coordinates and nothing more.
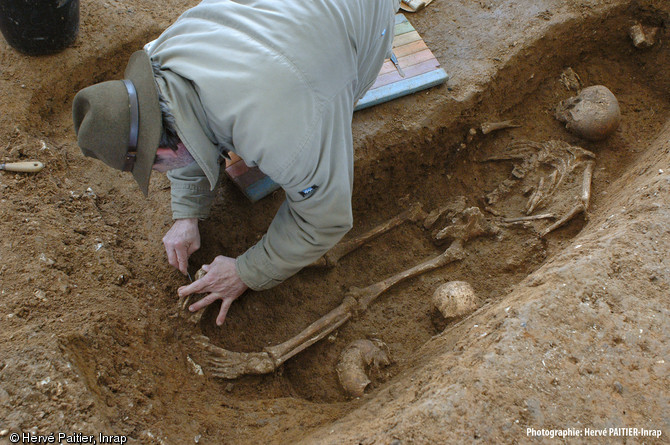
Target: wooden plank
(421, 68)
(415, 59)
(402, 88)
(407, 61)
(399, 18)
(250, 177)
(387, 67)
(403, 28)
(237, 169)
(260, 189)
(410, 48)
(406, 38)
(233, 159)
(410, 71)
(251, 181)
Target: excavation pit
(103, 300)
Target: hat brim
(140, 72)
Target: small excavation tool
(394, 59)
(22, 167)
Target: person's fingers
(172, 256)
(209, 299)
(182, 259)
(196, 287)
(192, 247)
(225, 305)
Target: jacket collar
(191, 123)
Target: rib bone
(528, 218)
(563, 159)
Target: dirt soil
(573, 328)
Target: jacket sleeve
(317, 211)
(191, 192)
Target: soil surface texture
(571, 335)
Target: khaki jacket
(274, 82)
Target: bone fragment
(583, 204)
(471, 135)
(196, 368)
(564, 159)
(576, 210)
(517, 150)
(455, 206)
(643, 36)
(554, 179)
(471, 224)
(524, 150)
(571, 80)
(489, 127)
(314, 332)
(185, 302)
(357, 360)
(492, 211)
(529, 218)
(536, 197)
(543, 191)
(586, 184)
(413, 213)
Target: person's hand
(181, 241)
(221, 281)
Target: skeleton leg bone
(230, 365)
(330, 259)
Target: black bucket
(38, 27)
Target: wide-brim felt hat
(112, 116)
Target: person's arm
(191, 194)
(300, 233)
(191, 201)
(300, 143)
(317, 212)
(304, 228)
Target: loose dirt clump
(572, 325)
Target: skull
(455, 299)
(357, 359)
(593, 114)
